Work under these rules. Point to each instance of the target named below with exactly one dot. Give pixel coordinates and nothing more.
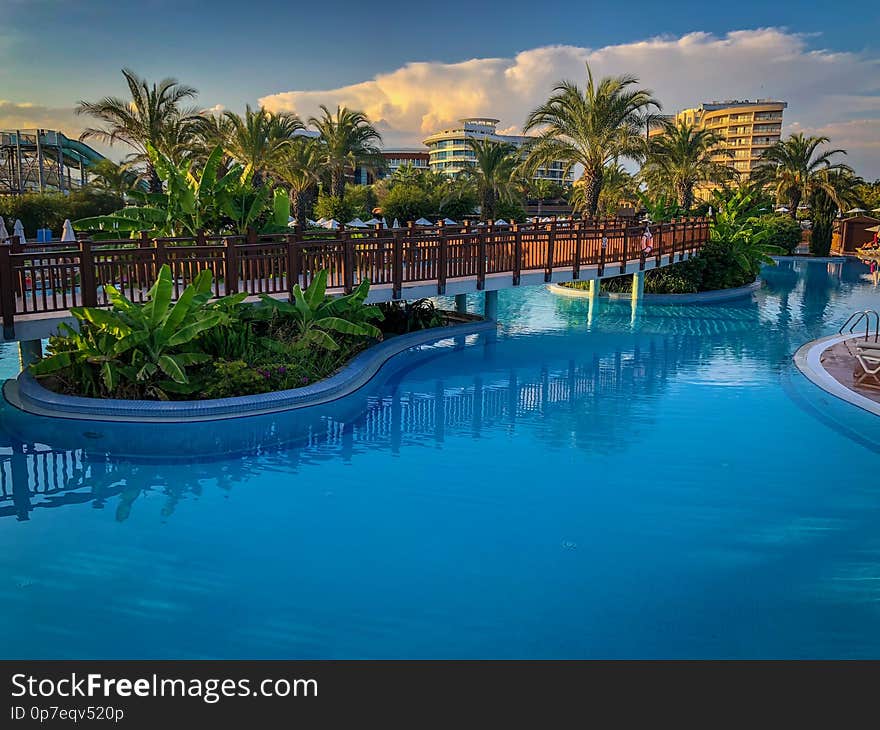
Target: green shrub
(49, 210)
(512, 212)
(782, 231)
(332, 207)
(406, 203)
(402, 317)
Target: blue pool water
(657, 484)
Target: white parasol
(67, 233)
(18, 230)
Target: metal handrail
(858, 317)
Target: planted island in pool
(199, 348)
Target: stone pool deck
(830, 364)
(840, 364)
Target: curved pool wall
(653, 483)
(29, 395)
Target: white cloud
(825, 90)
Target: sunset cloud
(825, 90)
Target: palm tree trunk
(153, 179)
(685, 196)
(298, 199)
(794, 200)
(593, 187)
(487, 205)
(337, 183)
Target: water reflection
(554, 369)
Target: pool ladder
(856, 318)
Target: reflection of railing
(54, 277)
(857, 317)
(34, 476)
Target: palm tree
(257, 138)
(591, 128)
(106, 175)
(682, 157)
(619, 188)
(298, 167)
(147, 119)
(833, 190)
(348, 140)
(493, 173)
(793, 167)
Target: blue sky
(238, 53)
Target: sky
(417, 67)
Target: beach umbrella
(373, 222)
(18, 230)
(423, 222)
(853, 211)
(449, 222)
(4, 234)
(782, 209)
(331, 225)
(873, 210)
(321, 221)
(356, 223)
(873, 229)
(67, 233)
(501, 222)
(395, 224)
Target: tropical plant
(402, 317)
(297, 167)
(591, 128)
(836, 190)
(493, 174)
(347, 140)
(406, 203)
(191, 202)
(682, 157)
(619, 188)
(736, 226)
(144, 346)
(259, 138)
(151, 118)
(794, 167)
(782, 231)
(315, 315)
(115, 179)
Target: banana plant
(192, 201)
(148, 346)
(316, 315)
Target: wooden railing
(52, 277)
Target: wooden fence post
(347, 260)
(517, 254)
(551, 246)
(578, 240)
(293, 262)
(230, 266)
(7, 291)
(397, 264)
(442, 257)
(481, 262)
(87, 282)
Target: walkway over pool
(40, 283)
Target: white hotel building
(449, 152)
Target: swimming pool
(658, 483)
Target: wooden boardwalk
(42, 282)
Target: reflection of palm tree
(818, 287)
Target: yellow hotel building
(747, 128)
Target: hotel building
(748, 128)
(450, 153)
